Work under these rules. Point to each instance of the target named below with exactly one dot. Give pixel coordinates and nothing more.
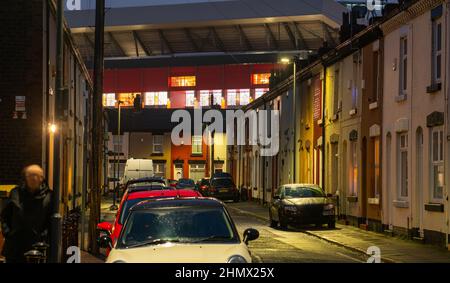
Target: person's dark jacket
(25, 220)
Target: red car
(130, 199)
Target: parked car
(186, 184)
(301, 204)
(132, 197)
(172, 183)
(148, 183)
(179, 230)
(137, 169)
(203, 186)
(223, 188)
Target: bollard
(34, 256)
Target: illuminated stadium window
(156, 98)
(184, 81)
(260, 91)
(109, 99)
(261, 79)
(190, 98)
(127, 99)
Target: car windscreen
(177, 224)
(126, 209)
(186, 182)
(225, 182)
(303, 192)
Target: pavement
(393, 250)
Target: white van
(136, 169)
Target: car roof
(179, 202)
(162, 193)
(146, 179)
(302, 185)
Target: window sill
(196, 155)
(352, 199)
(157, 154)
(434, 87)
(434, 207)
(400, 98)
(373, 201)
(401, 203)
(352, 112)
(373, 105)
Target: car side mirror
(105, 227)
(105, 241)
(250, 234)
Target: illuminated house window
(156, 98)
(205, 97)
(197, 144)
(190, 98)
(244, 96)
(109, 99)
(260, 91)
(261, 79)
(231, 97)
(185, 81)
(127, 99)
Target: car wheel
(331, 224)
(283, 224)
(273, 223)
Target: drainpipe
(447, 94)
(323, 124)
(56, 219)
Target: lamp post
(116, 159)
(287, 61)
(56, 218)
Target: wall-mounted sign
(20, 104)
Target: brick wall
(21, 67)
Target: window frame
(154, 144)
(403, 65)
(197, 145)
(376, 167)
(436, 50)
(354, 168)
(402, 147)
(437, 162)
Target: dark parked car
(147, 184)
(203, 186)
(301, 204)
(186, 184)
(223, 189)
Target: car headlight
(329, 206)
(236, 259)
(290, 208)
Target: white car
(180, 230)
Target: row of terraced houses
(371, 125)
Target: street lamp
(52, 128)
(116, 159)
(286, 61)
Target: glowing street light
(52, 128)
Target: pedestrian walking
(25, 217)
